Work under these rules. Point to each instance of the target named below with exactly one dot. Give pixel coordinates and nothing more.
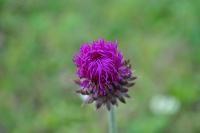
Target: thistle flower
(103, 73)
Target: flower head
(104, 74)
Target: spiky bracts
(104, 74)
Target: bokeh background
(38, 39)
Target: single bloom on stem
(103, 73)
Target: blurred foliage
(38, 39)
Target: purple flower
(104, 74)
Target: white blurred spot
(84, 97)
(165, 105)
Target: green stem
(112, 121)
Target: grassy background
(38, 39)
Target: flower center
(96, 56)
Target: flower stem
(112, 121)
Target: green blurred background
(38, 39)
